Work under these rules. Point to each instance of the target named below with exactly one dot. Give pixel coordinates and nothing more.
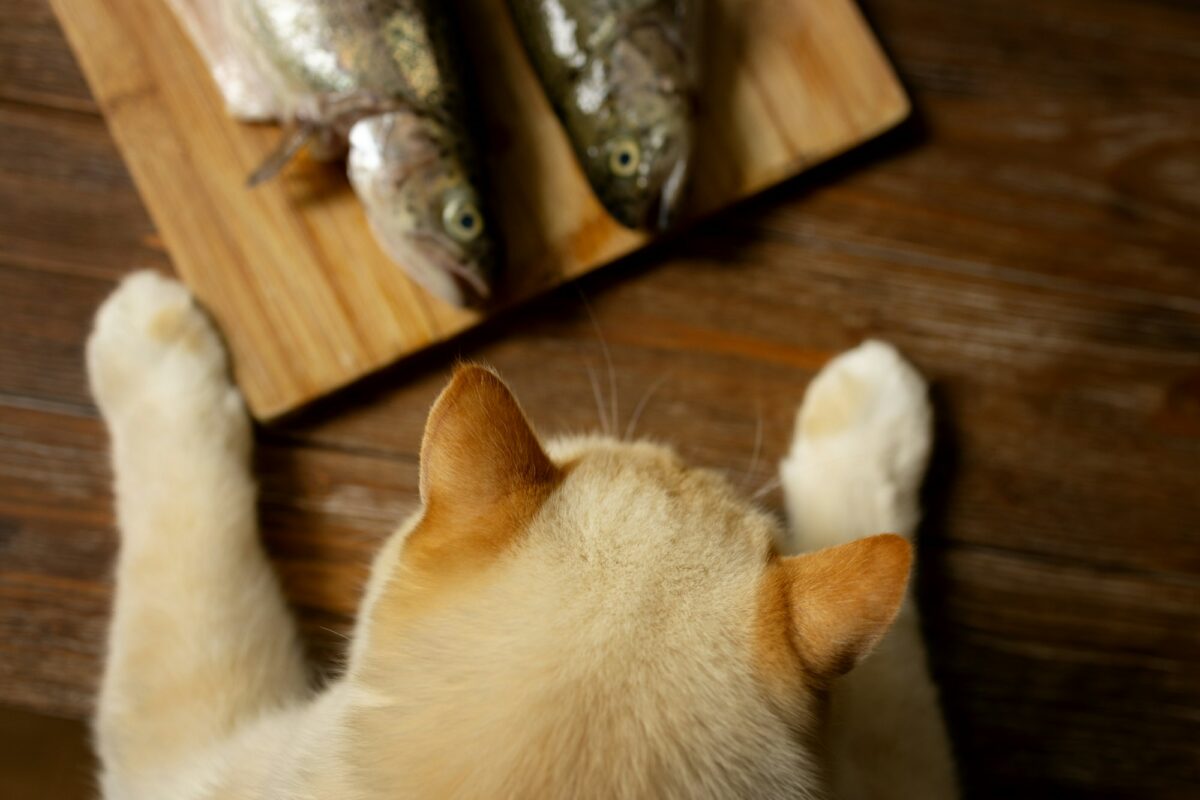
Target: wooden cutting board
(304, 296)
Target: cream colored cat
(583, 618)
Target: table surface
(1031, 239)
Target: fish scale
(621, 77)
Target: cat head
(589, 617)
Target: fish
(621, 76)
(380, 83)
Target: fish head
(422, 204)
(639, 152)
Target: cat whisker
(758, 442)
(599, 401)
(771, 485)
(642, 403)
(338, 634)
(612, 373)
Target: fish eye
(624, 158)
(462, 219)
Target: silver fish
(621, 75)
(378, 81)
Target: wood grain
(45, 757)
(303, 294)
(1031, 241)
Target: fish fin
(285, 151)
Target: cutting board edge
(269, 413)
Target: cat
(583, 617)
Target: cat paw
(859, 450)
(153, 349)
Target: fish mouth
(669, 197)
(469, 277)
(658, 209)
(436, 266)
(459, 278)
(441, 271)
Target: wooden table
(1031, 240)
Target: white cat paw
(859, 450)
(153, 349)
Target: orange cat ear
(834, 605)
(479, 454)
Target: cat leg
(858, 456)
(859, 450)
(201, 640)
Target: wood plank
(57, 544)
(69, 204)
(35, 66)
(42, 330)
(44, 756)
(1046, 640)
(306, 299)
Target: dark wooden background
(1031, 239)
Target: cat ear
(840, 601)
(479, 453)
